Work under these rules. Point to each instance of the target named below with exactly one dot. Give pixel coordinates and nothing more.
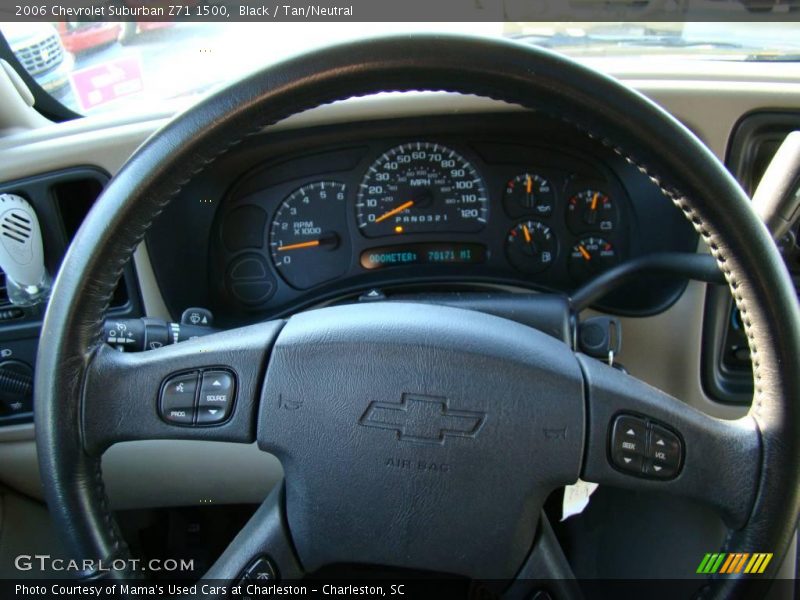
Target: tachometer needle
(584, 253)
(594, 200)
(394, 211)
(529, 184)
(527, 233)
(299, 245)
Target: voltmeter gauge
(591, 256)
(529, 193)
(531, 246)
(591, 210)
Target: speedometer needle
(310, 244)
(394, 211)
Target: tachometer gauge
(529, 193)
(531, 246)
(307, 241)
(591, 256)
(591, 210)
(421, 187)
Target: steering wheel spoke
(262, 549)
(207, 388)
(546, 569)
(639, 437)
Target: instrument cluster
(449, 211)
(492, 202)
(425, 210)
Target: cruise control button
(177, 398)
(217, 393)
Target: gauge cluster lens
(421, 187)
(423, 205)
(591, 256)
(531, 246)
(591, 210)
(308, 235)
(529, 193)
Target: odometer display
(421, 187)
(434, 253)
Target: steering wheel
(419, 436)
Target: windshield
(130, 66)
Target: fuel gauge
(531, 246)
(591, 256)
(591, 210)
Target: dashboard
(172, 269)
(449, 203)
(186, 252)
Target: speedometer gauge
(421, 187)
(308, 240)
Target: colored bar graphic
(732, 563)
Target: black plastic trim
(21, 336)
(720, 382)
(283, 161)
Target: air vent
(74, 199)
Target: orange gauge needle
(594, 200)
(394, 211)
(527, 233)
(528, 184)
(310, 244)
(584, 253)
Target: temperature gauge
(591, 210)
(531, 246)
(591, 256)
(529, 193)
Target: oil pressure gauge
(531, 246)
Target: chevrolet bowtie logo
(426, 419)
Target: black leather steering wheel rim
(633, 126)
